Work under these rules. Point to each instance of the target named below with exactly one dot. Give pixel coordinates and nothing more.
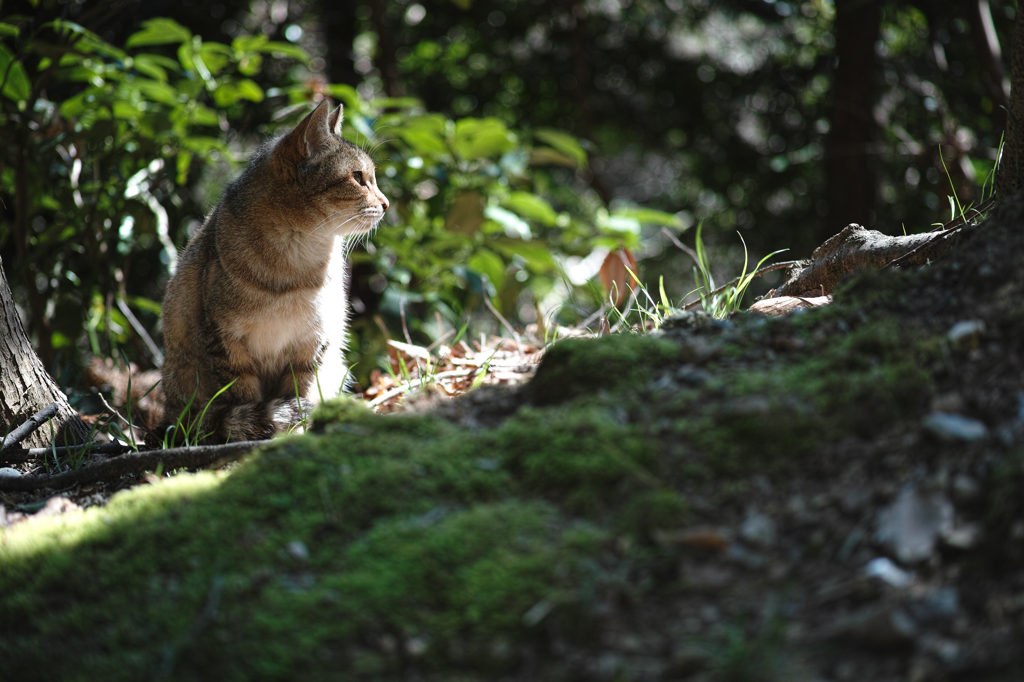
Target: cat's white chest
(300, 320)
(290, 323)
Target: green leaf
(396, 103)
(158, 92)
(545, 156)
(155, 66)
(184, 161)
(160, 31)
(85, 41)
(9, 30)
(248, 89)
(248, 43)
(488, 263)
(215, 56)
(17, 86)
(563, 142)
(513, 224)
(537, 255)
(650, 215)
(478, 138)
(621, 224)
(423, 142)
(532, 207)
(124, 110)
(202, 144)
(279, 49)
(346, 94)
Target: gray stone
(910, 526)
(888, 572)
(954, 427)
(758, 529)
(9, 472)
(297, 550)
(965, 334)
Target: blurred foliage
(103, 142)
(519, 142)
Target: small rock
(967, 536)
(758, 529)
(8, 471)
(888, 572)
(910, 526)
(417, 646)
(966, 334)
(954, 427)
(297, 550)
(965, 488)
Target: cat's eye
(358, 176)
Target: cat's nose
(384, 202)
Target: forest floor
(836, 494)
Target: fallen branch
(17, 456)
(198, 457)
(25, 430)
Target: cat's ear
(311, 137)
(318, 131)
(335, 121)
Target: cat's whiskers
(333, 231)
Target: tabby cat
(258, 303)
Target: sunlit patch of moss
(578, 455)
(576, 367)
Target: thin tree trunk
(849, 179)
(386, 60)
(990, 59)
(21, 229)
(25, 387)
(1010, 176)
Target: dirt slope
(835, 495)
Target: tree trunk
(1010, 175)
(849, 180)
(25, 387)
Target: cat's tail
(233, 423)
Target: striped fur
(258, 302)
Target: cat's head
(334, 176)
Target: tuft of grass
(724, 303)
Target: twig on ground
(504, 322)
(135, 463)
(25, 430)
(18, 456)
(416, 383)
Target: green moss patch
(384, 547)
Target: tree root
(198, 457)
(856, 247)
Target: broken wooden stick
(25, 430)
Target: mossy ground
(413, 547)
